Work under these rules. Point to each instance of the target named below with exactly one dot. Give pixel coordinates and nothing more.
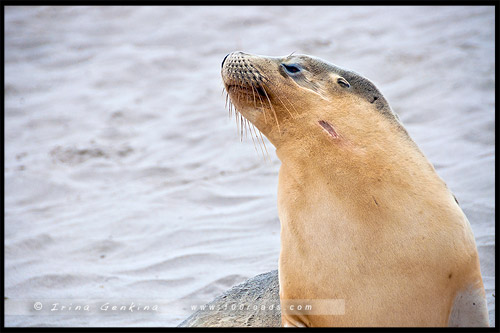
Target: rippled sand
(125, 178)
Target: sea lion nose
(222, 65)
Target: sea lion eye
(343, 82)
(291, 68)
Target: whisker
(237, 123)
(241, 128)
(260, 145)
(291, 104)
(263, 108)
(260, 134)
(291, 115)
(261, 103)
(226, 105)
(244, 126)
(253, 94)
(253, 140)
(275, 115)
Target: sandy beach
(126, 180)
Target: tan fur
(364, 216)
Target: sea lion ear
(343, 82)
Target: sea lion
(370, 234)
(253, 303)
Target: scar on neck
(328, 128)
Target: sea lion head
(301, 97)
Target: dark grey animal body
(255, 303)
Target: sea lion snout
(222, 65)
(239, 72)
(231, 54)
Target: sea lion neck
(358, 155)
